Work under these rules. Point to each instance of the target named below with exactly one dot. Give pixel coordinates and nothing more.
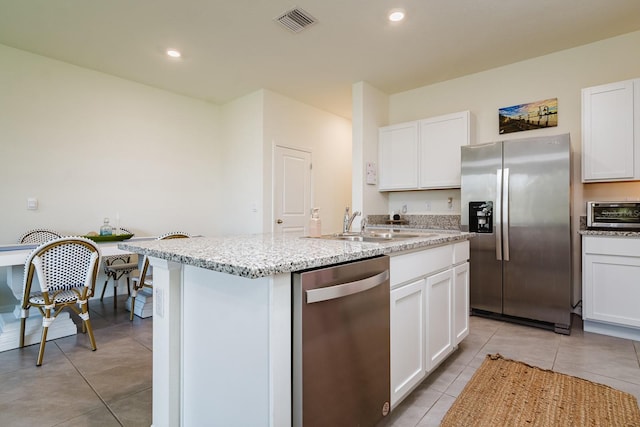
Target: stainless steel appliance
(616, 215)
(341, 344)
(516, 196)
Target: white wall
(293, 124)
(241, 153)
(370, 111)
(88, 145)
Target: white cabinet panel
(423, 154)
(429, 312)
(460, 302)
(439, 318)
(398, 148)
(611, 286)
(419, 263)
(613, 291)
(439, 143)
(460, 252)
(610, 132)
(407, 338)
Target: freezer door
(537, 241)
(479, 183)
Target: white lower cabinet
(429, 312)
(460, 302)
(611, 286)
(407, 338)
(440, 319)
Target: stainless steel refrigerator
(516, 196)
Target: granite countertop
(586, 231)
(260, 255)
(610, 233)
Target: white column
(167, 313)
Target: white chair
(38, 235)
(116, 267)
(67, 269)
(145, 278)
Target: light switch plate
(372, 173)
(32, 204)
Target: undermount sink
(376, 236)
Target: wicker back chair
(145, 278)
(116, 267)
(66, 269)
(38, 235)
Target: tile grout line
(90, 386)
(466, 365)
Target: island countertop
(261, 255)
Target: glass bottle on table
(106, 229)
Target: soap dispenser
(315, 229)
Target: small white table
(13, 258)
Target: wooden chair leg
(104, 288)
(23, 322)
(115, 293)
(92, 339)
(133, 305)
(43, 342)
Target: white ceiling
(232, 48)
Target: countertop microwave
(615, 215)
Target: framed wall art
(534, 115)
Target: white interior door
(292, 190)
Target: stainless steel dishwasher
(341, 344)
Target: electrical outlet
(404, 209)
(427, 206)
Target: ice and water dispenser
(481, 217)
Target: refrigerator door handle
(505, 214)
(498, 216)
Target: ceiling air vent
(295, 20)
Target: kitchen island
(222, 321)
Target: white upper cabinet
(611, 132)
(440, 141)
(398, 148)
(423, 154)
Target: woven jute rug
(504, 392)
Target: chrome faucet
(348, 220)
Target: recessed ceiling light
(396, 15)
(174, 53)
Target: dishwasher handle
(345, 289)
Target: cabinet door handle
(345, 289)
(279, 221)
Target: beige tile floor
(112, 386)
(599, 358)
(79, 387)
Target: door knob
(279, 221)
